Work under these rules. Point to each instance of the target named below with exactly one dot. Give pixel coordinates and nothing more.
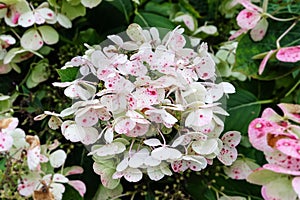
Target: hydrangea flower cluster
(36, 27)
(278, 137)
(147, 105)
(41, 160)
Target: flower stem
(130, 148)
(267, 101)
(121, 195)
(265, 5)
(162, 135)
(292, 89)
(280, 19)
(285, 33)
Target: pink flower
(251, 19)
(285, 54)
(277, 184)
(289, 54)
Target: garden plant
(150, 99)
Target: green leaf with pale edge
(242, 107)
(187, 6)
(147, 19)
(247, 48)
(71, 193)
(68, 74)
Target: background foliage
(30, 94)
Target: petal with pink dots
(289, 54)
(32, 40)
(79, 186)
(258, 132)
(259, 31)
(291, 111)
(6, 141)
(248, 19)
(290, 147)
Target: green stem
(252, 103)
(279, 19)
(17, 35)
(124, 10)
(292, 89)
(292, 43)
(285, 33)
(265, 5)
(141, 17)
(121, 195)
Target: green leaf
(247, 49)
(104, 193)
(197, 187)
(45, 50)
(89, 36)
(125, 6)
(147, 19)
(187, 6)
(164, 9)
(40, 72)
(71, 193)
(242, 107)
(72, 11)
(285, 6)
(2, 164)
(68, 74)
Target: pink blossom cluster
(40, 161)
(147, 105)
(38, 31)
(278, 137)
(251, 19)
(254, 19)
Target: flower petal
(264, 61)
(289, 54)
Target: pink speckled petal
(289, 54)
(248, 19)
(258, 133)
(289, 147)
(291, 111)
(263, 63)
(281, 170)
(259, 31)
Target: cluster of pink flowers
(36, 29)
(254, 19)
(251, 19)
(279, 139)
(41, 161)
(147, 105)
